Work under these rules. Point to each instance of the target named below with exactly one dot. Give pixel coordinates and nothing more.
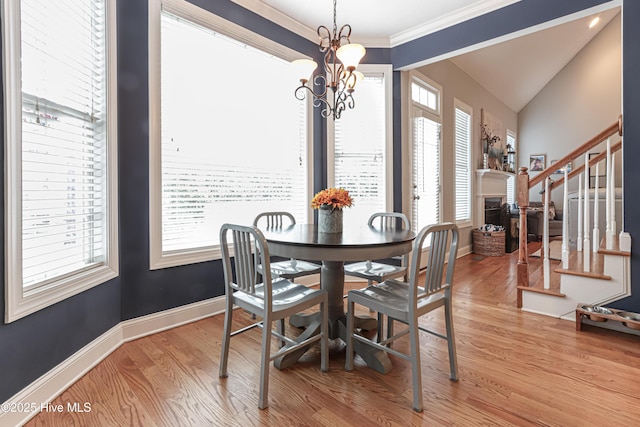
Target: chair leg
(416, 371)
(226, 337)
(324, 341)
(370, 283)
(451, 341)
(280, 327)
(348, 366)
(380, 337)
(263, 400)
(389, 329)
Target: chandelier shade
(334, 88)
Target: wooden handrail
(614, 148)
(615, 127)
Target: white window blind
(426, 172)
(231, 146)
(462, 140)
(511, 182)
(359, 151)
(63, 138)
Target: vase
(329, 220)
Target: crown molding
(461, 15)
(285, 21)
(278, 18)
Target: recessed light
(594, 22)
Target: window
(511, 182)
(226, 147)
(426, 146)
(462, 142)
(361, 147)
(61, 184)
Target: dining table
(304, 241)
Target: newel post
(523, 254)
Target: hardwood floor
(516, 369)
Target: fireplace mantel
(489, 183)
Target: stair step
(576, 263)
(536, 281)
(615, 248)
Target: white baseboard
(50, 385)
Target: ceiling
(513, 70)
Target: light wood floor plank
(516, 369)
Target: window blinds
(232, 147)
(63, 138)
(426, 172)
(462, 165)
(359, 156)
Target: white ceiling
(514, 70)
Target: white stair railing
(546, 267)
(596, 211)
(580, 226)
(608, 196)
(565, 222)
(586, 244)
(612, 198)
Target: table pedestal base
(375, 359)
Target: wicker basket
(488, 243)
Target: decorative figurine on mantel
(492, 155)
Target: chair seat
(285, 295)
(391, 298)
(375, 271)
(292, 268)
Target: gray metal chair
(377, 271)
(272, 300)
(292, 268)
(406, 302)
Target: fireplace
(491, 194)
(492, 207)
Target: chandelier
(336, 87)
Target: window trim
(157, 258)
(413, 109)
(19, 303)
(387, 71)
(458, 104)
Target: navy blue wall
(32, 346)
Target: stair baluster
(586, 245)
(565, 222)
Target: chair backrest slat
(389, 220)
(249, 250)
(274, 219)
(441, 235)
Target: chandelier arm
(326, 37)
(345, 28)
(317, 81)
(333, 68)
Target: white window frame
(18, 302)
(387, 71)
(435, 115)
(158, 258)
(459, 105)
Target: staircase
(592, 274)
(606, 280)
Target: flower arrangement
(337, 198)
(488, 138)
